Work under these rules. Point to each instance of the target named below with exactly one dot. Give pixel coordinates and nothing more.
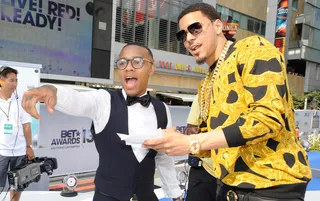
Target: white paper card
(138, 139)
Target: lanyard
(7, 115)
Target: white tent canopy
(73, 86)
(183, 97)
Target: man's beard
(201, 61)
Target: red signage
(280, 43)
(181, 67)
(165, 64)
(229, 29)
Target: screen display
(56, 34)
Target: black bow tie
(144, 100)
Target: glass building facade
(245, 22)
(311, 31)
(151, 22)
(154, 22)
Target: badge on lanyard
(7, 129)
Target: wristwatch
(194, 146)
(29, 146)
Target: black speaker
(101, 38)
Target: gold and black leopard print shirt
(251, 103)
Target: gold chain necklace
(207, 85)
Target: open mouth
(131, 82)
(194, 48)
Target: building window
(224, 14)
(236, 16)
(250, 24)
(163, 34)
(257, 25)
(218, 8)
(263, 29)
(295, 5)
(317, 72)
(152, 23)
(245, 22)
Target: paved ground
(86, 186)
(55, 196)
(86, 181)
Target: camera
(30, 171)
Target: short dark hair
(205, 8)
(140, 45)
(5, 70)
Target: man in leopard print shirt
(247, 117)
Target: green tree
(298, 101)
(314, 143)
(313, 100)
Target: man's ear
(218, 25)
(1, 82)
(152, 70)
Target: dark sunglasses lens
(195, 28)
(181, 35)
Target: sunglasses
(194, 29)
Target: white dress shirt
(96, 105)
